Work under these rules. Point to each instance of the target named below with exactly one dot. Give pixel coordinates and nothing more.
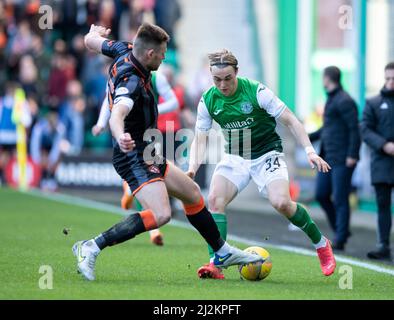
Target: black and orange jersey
(129, 79)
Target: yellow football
(258, 270)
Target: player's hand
(100, 30)
(389, 148)
(191, 174)
(126, 143)
(316, 161)
(351, 162)
(97, 130)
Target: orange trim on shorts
(149, 220)
(191, 209)
(145, 183)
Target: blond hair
(223, 59)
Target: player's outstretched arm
(297, 129)
(199, 144)
(197, 152)
(103, 119)
(95, 38)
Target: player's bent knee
(163, 215)
(194, 207)
(163, 219)
(282, 204)
(194, 193)
(216, 203)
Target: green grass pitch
(31, 236)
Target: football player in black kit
(151, 177)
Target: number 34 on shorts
(271, 166)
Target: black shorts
(135, 171)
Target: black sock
(204, 223)
(127, 229)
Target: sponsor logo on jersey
(239, 124)
(216, 112)
(246, 107)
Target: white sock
(92, 245)
(322, 243)
(224, 249)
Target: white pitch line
(298, 250)
(72, 200)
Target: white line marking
(72, 200)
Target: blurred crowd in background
(61, 84)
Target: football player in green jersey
(247, 112)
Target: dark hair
(333, 73)
(390, 66)
(149, 36)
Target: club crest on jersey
(246, 107)
(121, 91)
(152, 168)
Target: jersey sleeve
(204, 119)
(105, 113)
(127, 92)
(165, 91)
(270, 102)
(112, 49)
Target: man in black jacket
(377, 129)
(340, 145)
